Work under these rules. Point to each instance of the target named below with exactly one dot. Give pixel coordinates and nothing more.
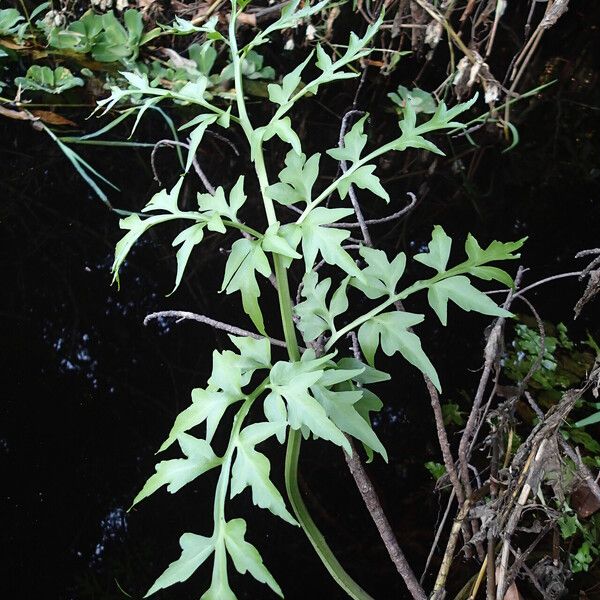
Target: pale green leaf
(280, 94)
(282, 128)
(478, 256)
(315, 315)
(381, 276)
(443, 117)
(460, 291)
(439, 251)
(367, 404)
(339, 407)
(195, 550)
(363, 178)
(188, 238)
(272, 241)
(217, 204)
(489, 273)
(180, 471)
(390, 329)
(292, 381)
(336, 376)
(354, 143)
(276, 413)
(365, 373)
(165, 200)
(209, 406)
(296, 180)
(255, 354)
(135, 228)
(245, 556)
(245, 260)
(252, 468)
(196, 136)
(327, 240)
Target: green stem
(285, 306)
(292, 456)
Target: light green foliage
(380, 277)
(592, 419)
(457, 287)
(296, 181)
(316, 315)
(391, 331)
(340, 407)
(291, 382)
(452, 414)
(562, 365)
(318, 236)
(252, 68)
(307, 394)
(246, 259)
(420, 100)
(51, 81)
(251, 469)
(439, 251)
(11, 22)
(104, 36)
(178, 472)
(459, 290)
(436, 469)
(216, 206)
(195, 550)
(245, 556)
(587, 535)
(412, 134)
(354, 143)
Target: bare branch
(443, 441)
(171, 143)
(182, 315)
(344, 166)
(387, 219)
(369, 496)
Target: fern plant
(315, 391)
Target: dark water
(89, 393)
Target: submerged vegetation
(331, 317)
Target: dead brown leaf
(52, 118)
(584, 501)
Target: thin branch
(387, 219)
(540, 357)
(546, 280)
(351, 192)
(540, 282)
(182, 315)
(369, 496)
(587, 252)
(443, 441)
(438, 534)
(207, 184)
(490, 356)
(224, 139)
